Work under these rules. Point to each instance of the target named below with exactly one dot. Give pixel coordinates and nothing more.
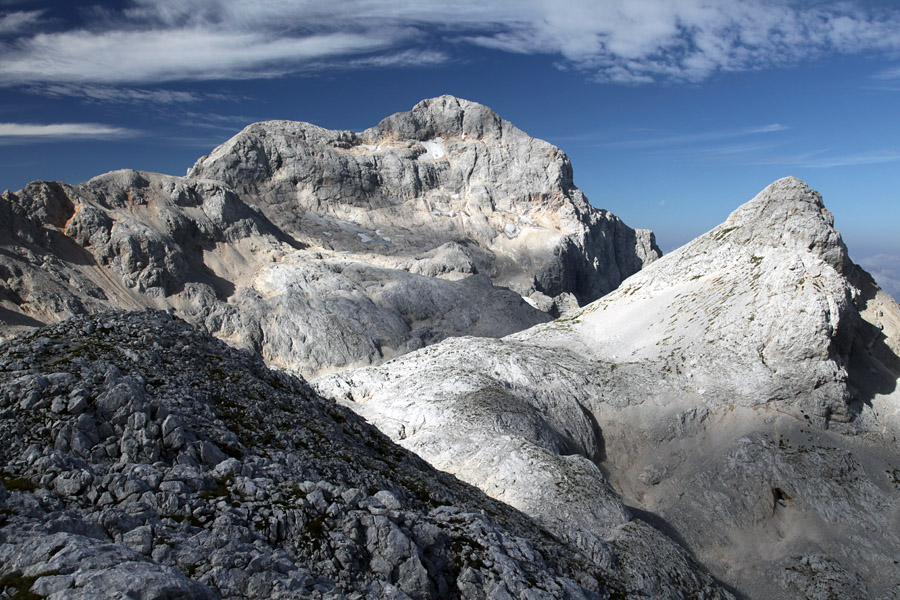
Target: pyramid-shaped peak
(787, 213)
(788, 192)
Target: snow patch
(443, 213)
(369, 147)
(434, 149)
(364, 238)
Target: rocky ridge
(739, 394)
(449, 169)
(143, 458)
(326, 249)
(733, 405)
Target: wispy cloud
(753, 146)
(59, 131)
(882, 88)
(102, 93)
(16, 22)
(888, 74)
(207, 120)
(738, 152)
(822, 160)
(153, 41)
(695, 138)
(171, 55)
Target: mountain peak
(741, 390)
(788, 214)
(758, 309)
(286, 217)
(444, 116)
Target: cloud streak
(18, 21)
(171, 55)
(889, 74)
(153, 41)
(98, 93)
(820, 160)
(696, 138)
(61, 131)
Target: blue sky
(673, 112)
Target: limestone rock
(309, 502)
(739, 395)
(448, 170)
(326, 249)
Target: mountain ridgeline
(738, 394)
(327, 249)
(720, 422)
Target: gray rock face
(326, 249)
(739, 394)
(448, 170)
(760, 309)
(143, 458)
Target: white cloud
(822, 160)
(18, 21)
(169, 55)
(738, 151)
(57, 131)
(636, 41)
(102, 93)
(694, 138)
(889, 74)
(885, 268)
(215, 121)
(691, 39)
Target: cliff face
(740, 394)
(448, 170)
(326, 249)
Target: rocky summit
(739, 394)
(560, 412)
(322, 249)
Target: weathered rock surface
(448, 170)
(143, 458)
(739, 394)
(326, 249)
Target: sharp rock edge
(739, 394)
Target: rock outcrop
(739, 394)
(448, 170)
(143, 458)
(326, 249)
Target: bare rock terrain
(326, 249)
(143, 458)
(739, 394)
(719, 423)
